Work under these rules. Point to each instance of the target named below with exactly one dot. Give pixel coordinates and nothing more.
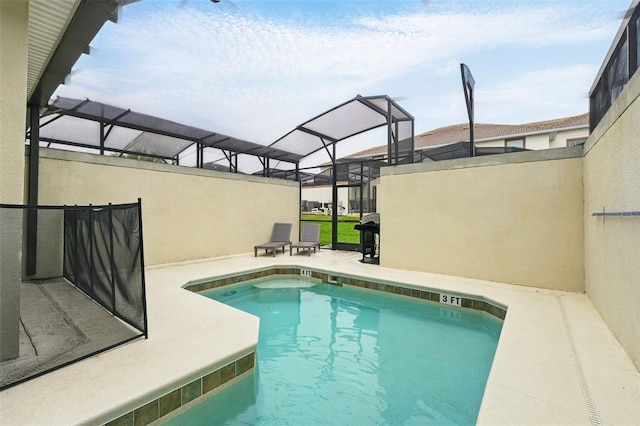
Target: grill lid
(371, 218)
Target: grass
(346, 233)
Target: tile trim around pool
(478, 303)
(171, 401)
(189, 392)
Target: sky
(257, 69)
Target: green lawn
(346, 233)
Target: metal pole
(362, 188)
(396, 139)
(65, 241)
(144, 292)
(334, 202)
(413, 141)
(75, 246)
(472, 145)
(112, 262)
(32, 213)
(102, 138)
(299, 198)
(468, 84)
(299, 207)
(389, 137)
(91, 266)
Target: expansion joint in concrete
(594, 416)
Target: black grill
(369, 228)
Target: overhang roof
(59, 33)
(136, 133)
(355, 116)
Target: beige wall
(14, 18)
(612, 244)
(513, 218)
(187, 213)
(49, 247)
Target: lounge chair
(310, 239)
(280, 237)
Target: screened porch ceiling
(89, 124)
(110, 129)
(351, 118)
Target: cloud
(460, 30)
(256, 77)
(538, 95)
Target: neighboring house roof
(482, 132)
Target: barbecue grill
(369, 228)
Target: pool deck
(557, 363)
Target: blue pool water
(332, 355)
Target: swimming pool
(342, 355)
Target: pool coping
(204, 386)
(475, 302)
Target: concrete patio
(557, 363)
(59, 324)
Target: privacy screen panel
(103, 258)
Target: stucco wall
(14, 17)
(13, 93)
(513, 218)
(187, 213)
(612, 244)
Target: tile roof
(460, 132)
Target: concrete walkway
(557, 363)
(59, 324)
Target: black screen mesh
(103, 258)
(99, 252)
